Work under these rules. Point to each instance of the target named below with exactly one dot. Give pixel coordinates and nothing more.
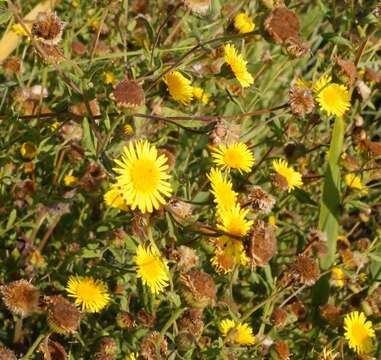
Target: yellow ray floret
(293, 178)
(114, 199)
(238, 65)
(358, 332)
(233, 221)
(222, 189)
(151, 268)
(143, 177)
(179, 87)
(237, 333)
(89, 294)
(354, 182)
(235, 156)
(228, 254)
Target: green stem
(34, 346)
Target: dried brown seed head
(146, 319)
(316, 235)
(63, 316)
(102, 356)
(260, 200)
(125, 320)
(262, 243)
(149, 345)
(20, 297)
(7, 354)
(279, 317)
(200, 7)
(305, 270)
(12, 65)
(301, 101)
(348, 69)
(93, 177)
(282, 350)
(198, 289)
(52, 350)
(180, 210)
(330, 313)
(108, 346)
(78, 48)
(296, 47)
(71, 131)
(128, 94)
(50, 53)
(225, 133)
(48, 28)
(186, 258)
(282, 24)
(80, 109)
(192, 322)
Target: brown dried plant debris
(48, 28)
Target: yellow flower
(28, 151)
(108, 78)
(143, 177)
(235, 156)
(334, 99)
(293, 178)
(323, 81)
(354, 182)
(19, 30)
(233, 221)
(132, 356)
(303, 84)
(70, 180)
(338, 277)
(128, 129)
(228, 254)
(238, 65)
(114, 199)
(358, 332)
(222, 189)
(89, 294)
(74, 3)
(151, 268)
(200, 95)
(179, 87)
(272, 220)
(237, 333)
(244, 23)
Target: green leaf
(11, 219)
(303, 197)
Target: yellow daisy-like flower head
(244, 23)
(354, 182)
(143, 177)
(114, 199)
(200, 95)
(293, 178)
(334, 99)
(238, 66)
(89, 294)
(358, 332)
(234, 221)
(228, 254)
(222, 189)
(237, 333)
(151, 268)
(235, 156)
(179, 87)
(132, 356)
(338, 277)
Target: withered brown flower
(200, 7)
(301, 101)
(262, 243)
(296, 47)
(305, 270)
(180, 210)
(282, 350)
(330, 313)
(7, 354)
(149, 344)
(282, 24)
(48, 28)
(52, 350)
(20, 297)
(192, 322)
(125, 320)
(12, 65)
(108, 346)
(128, 94)
(146, 319)
(198, 289)
(63, 316)
(279, 317)
(93, 177)
(260, 200)
(186, 258)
